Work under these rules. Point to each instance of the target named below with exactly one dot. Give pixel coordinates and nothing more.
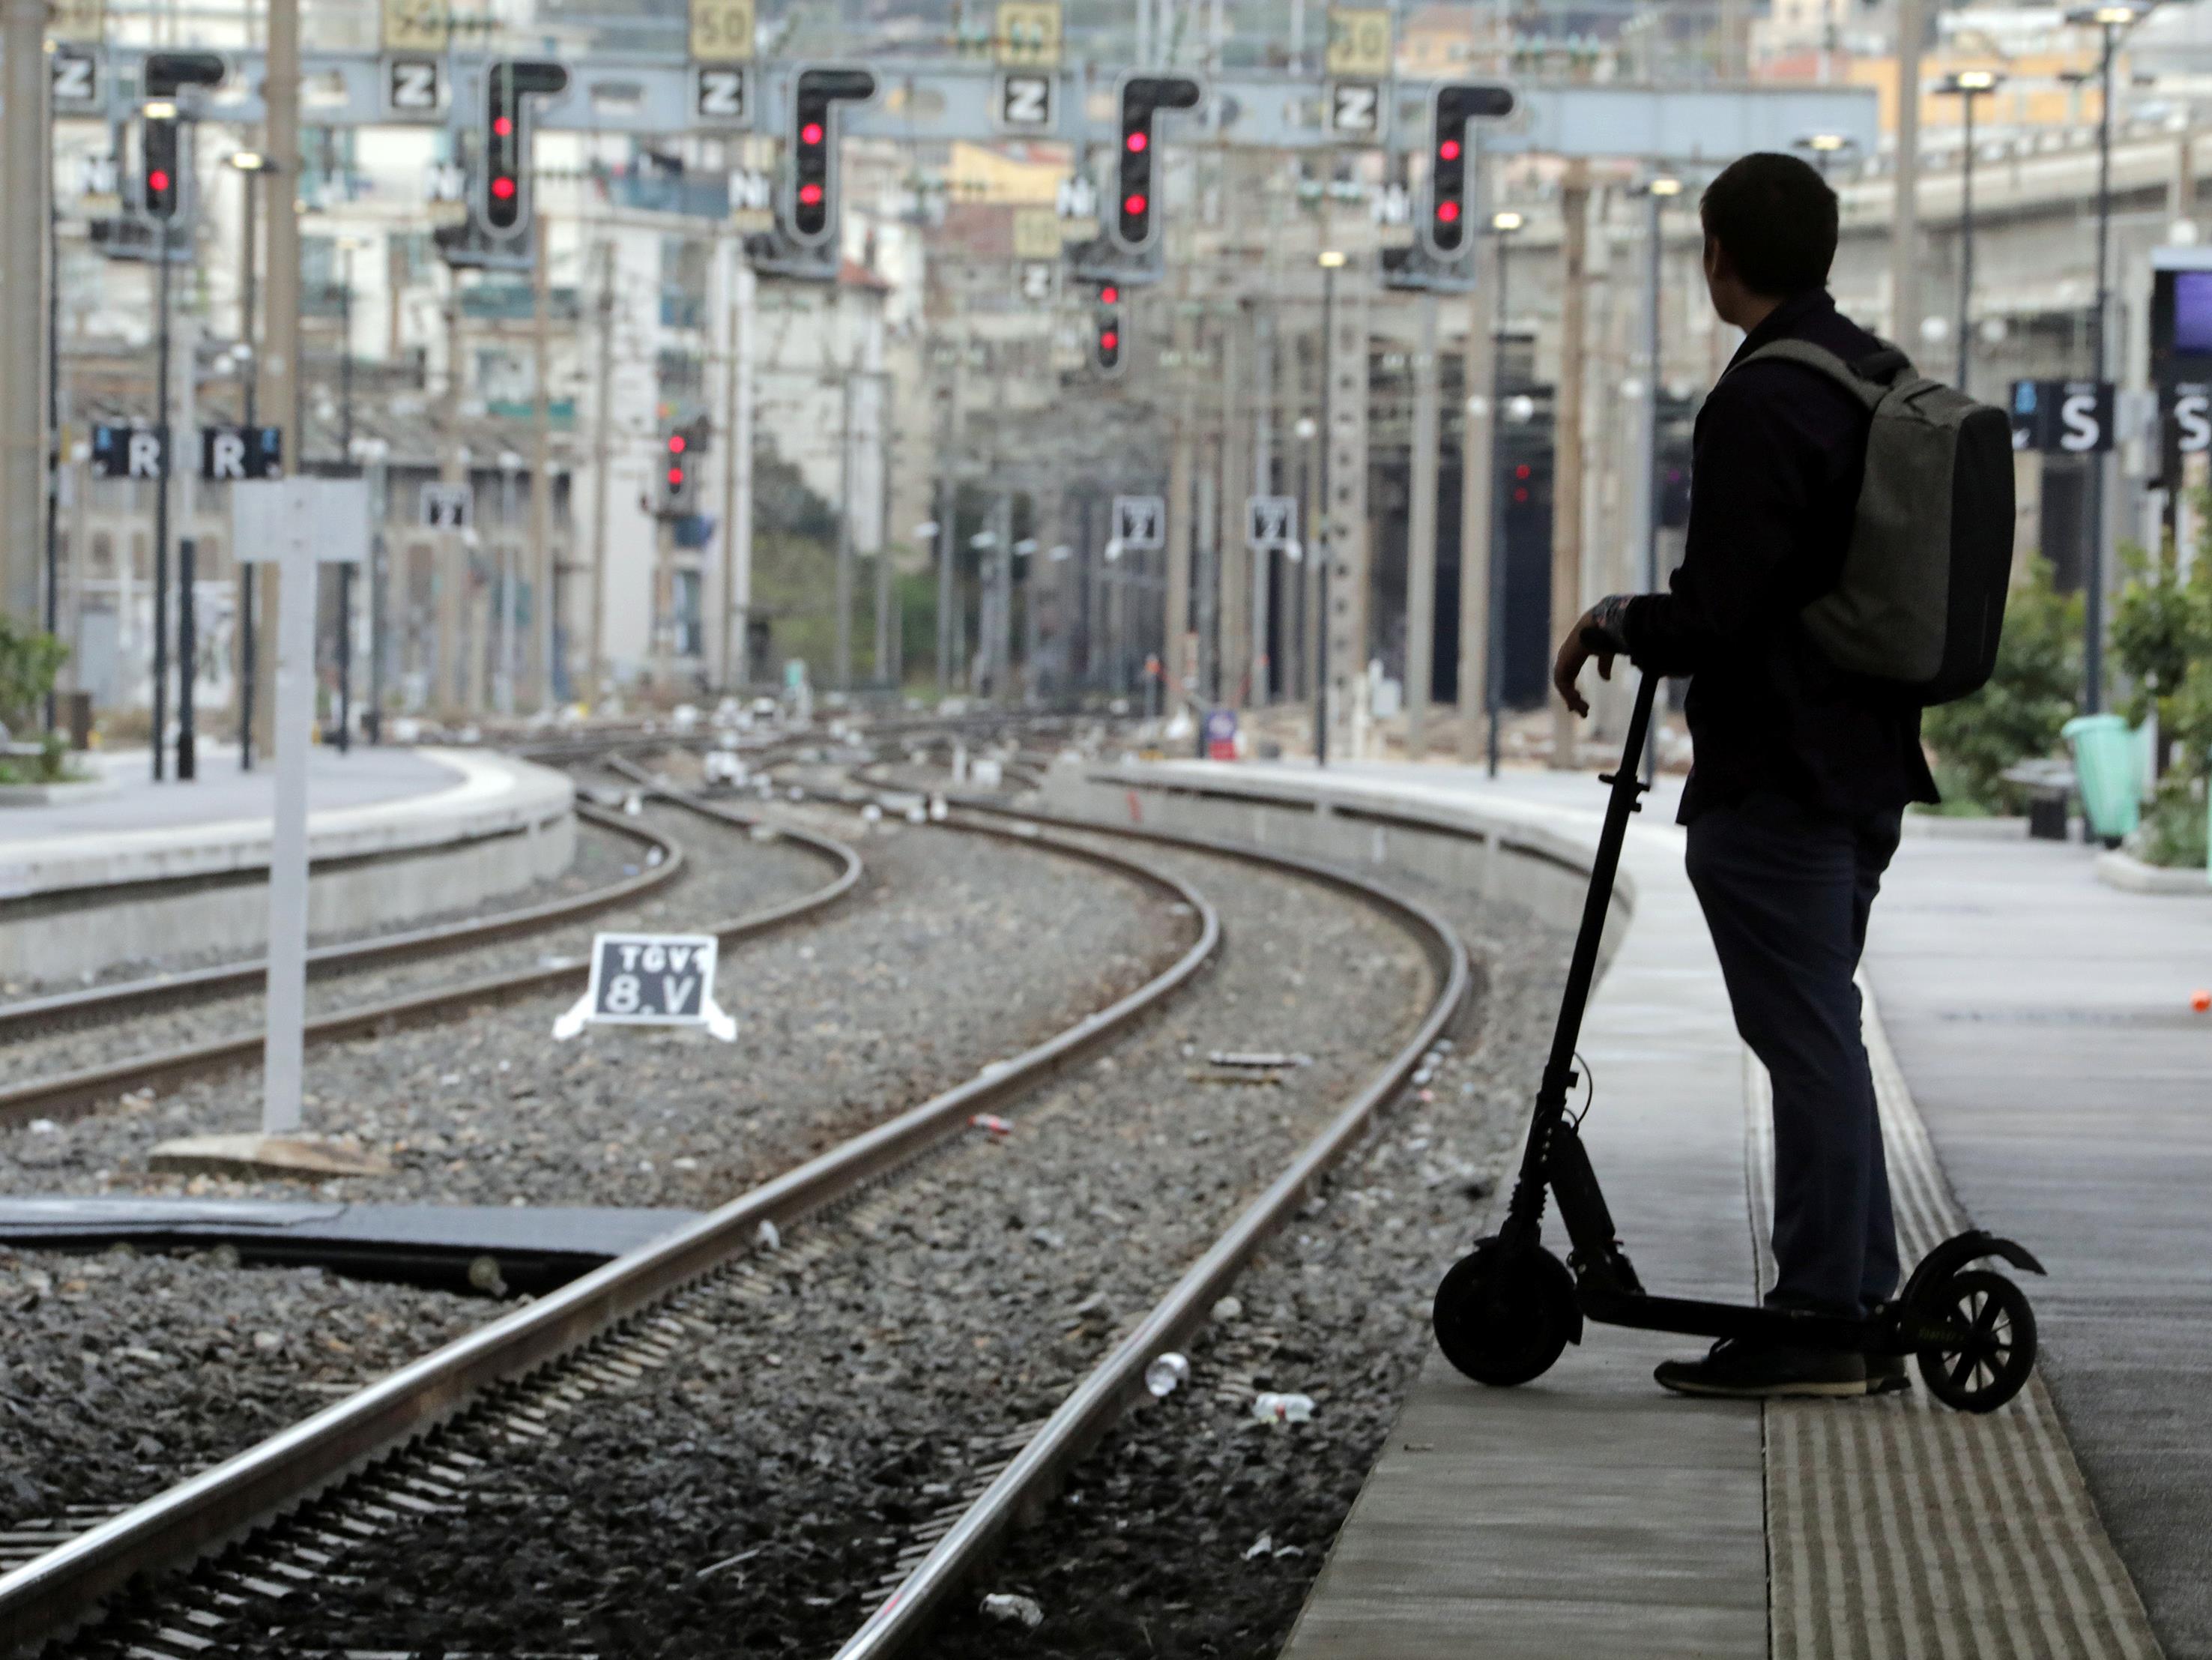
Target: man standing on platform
(1802, 770)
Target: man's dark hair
(1775, 218)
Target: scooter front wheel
(1985, 1360)
(1503, 1314)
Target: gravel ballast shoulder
(123, 1373)
(732, 877)
(955, 952)
(853, 1380)
(602, 856)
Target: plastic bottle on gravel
(1270, 1407)
(1167, 1373)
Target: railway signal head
(160, 153)
(1106, 337)
(815, 98)
(1142, 97)
(1456, 105)
(507, 84)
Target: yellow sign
(416, 25)
(1036, 233)
(1358, 43)
(721, 31)
(77, 20)
(445, 214)
(1027, 34)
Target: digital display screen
(2192, 312)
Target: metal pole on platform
(1504, 224)
(188, 655)
(251, 165)
(284, 1047)
(1324, 525)
(24, 182)
(162, 501)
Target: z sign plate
(77, 80)
(1023, 103)
(414, 86)
(718, 95)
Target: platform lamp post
(2111, 20)
(1331, 261)
(1502, 224)
(251, 165)
(1966, 86)
(1824, 147)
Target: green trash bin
(2105, 771)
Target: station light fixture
(1331, 260)
(1142, 97)
(1506, 220)
(816, 93)
(1664, 186)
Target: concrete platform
(1588, 1514)
(534, 1248)
(148, 870)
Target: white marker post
(301, 523)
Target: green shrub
(2161, 626)
(2031, 695)
(29, 661)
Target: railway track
(618, 1319)
(63, 1094)
(515, 1378)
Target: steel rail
(75, 1092)
(134, 997)
(1088, 1411)
(51, 1596)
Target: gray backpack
(1921, 596)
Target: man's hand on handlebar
(1596, 633)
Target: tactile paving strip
(1899, 1530)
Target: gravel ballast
(865, 1371)
(122, 1374)
(1196, 1531)
(955, 952)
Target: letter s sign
(2192, 418)
(2080, 430)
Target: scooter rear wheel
(1503, 1314)
(1988, 1361)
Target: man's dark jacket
(1776, 459)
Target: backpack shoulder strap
(1870, 380)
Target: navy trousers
(1786, 892)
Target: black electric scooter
(1506, 1311)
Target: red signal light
(1110, 338)
(158, 179)
(1448, 150)
(1135, 204)
(1519, 493)
(676, 479)
(1448, 211)
(503, 125)
(676, 443)
(810, 133)
(1521, 471)
(1109, 296)
(502, 187)
(1137, 141)
(810, 194)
